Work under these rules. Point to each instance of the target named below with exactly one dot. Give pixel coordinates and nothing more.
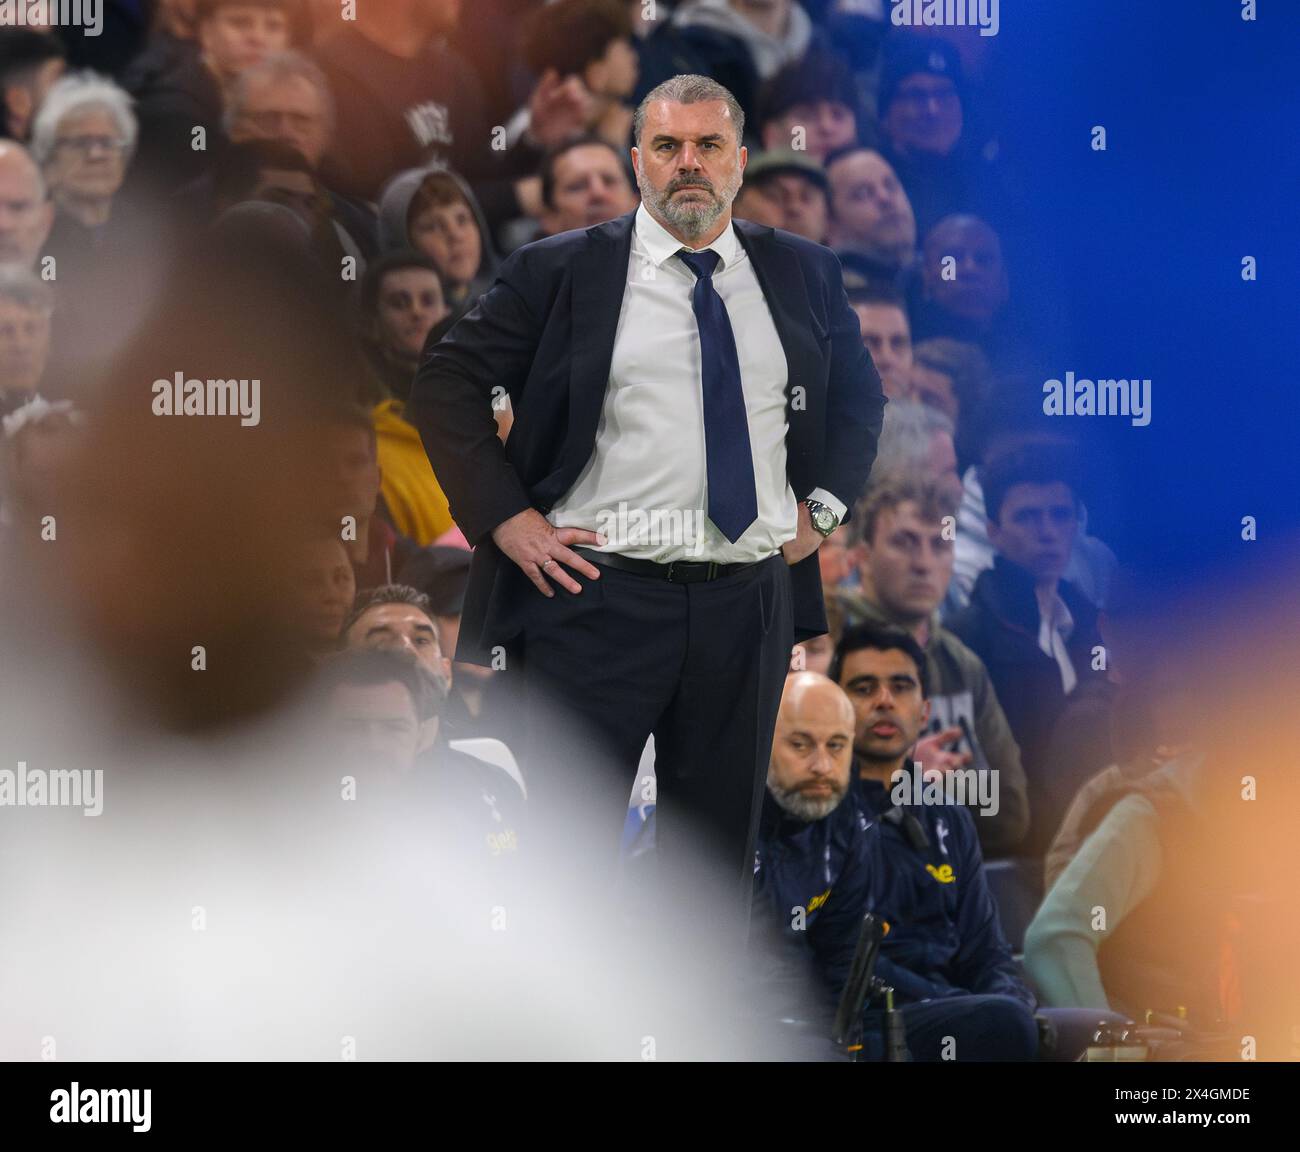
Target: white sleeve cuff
(824, 497)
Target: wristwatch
(823, 517)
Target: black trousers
(701, 666)
(978, 1028)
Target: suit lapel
(599, 281)
(781, 278)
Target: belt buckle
(711, 568)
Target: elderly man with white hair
(106, 249)
(83, 138)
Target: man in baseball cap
(795, 186)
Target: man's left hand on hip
(806, 542)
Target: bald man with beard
(811, 864)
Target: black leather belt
(677, 572)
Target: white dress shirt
(1055, 624)
(646, 484)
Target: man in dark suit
(694, 413)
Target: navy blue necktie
(733, 501)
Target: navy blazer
(544, 335)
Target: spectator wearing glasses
(83, 138)
(189, 91)
(923, 115)
(286, 98)
(100, 253)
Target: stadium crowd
(274, 189)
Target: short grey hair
(689, 88)
(287, 65)
(906, 435)
(77, 93)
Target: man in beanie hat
(921, 93)
(923, 114)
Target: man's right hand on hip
(539, 548)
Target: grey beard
(689, 219)
(802, 807)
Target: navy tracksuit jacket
(814, 882)
(811, 885)
(944, 936)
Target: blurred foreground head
(180, 563)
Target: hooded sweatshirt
(395, 223)
(415, 501)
